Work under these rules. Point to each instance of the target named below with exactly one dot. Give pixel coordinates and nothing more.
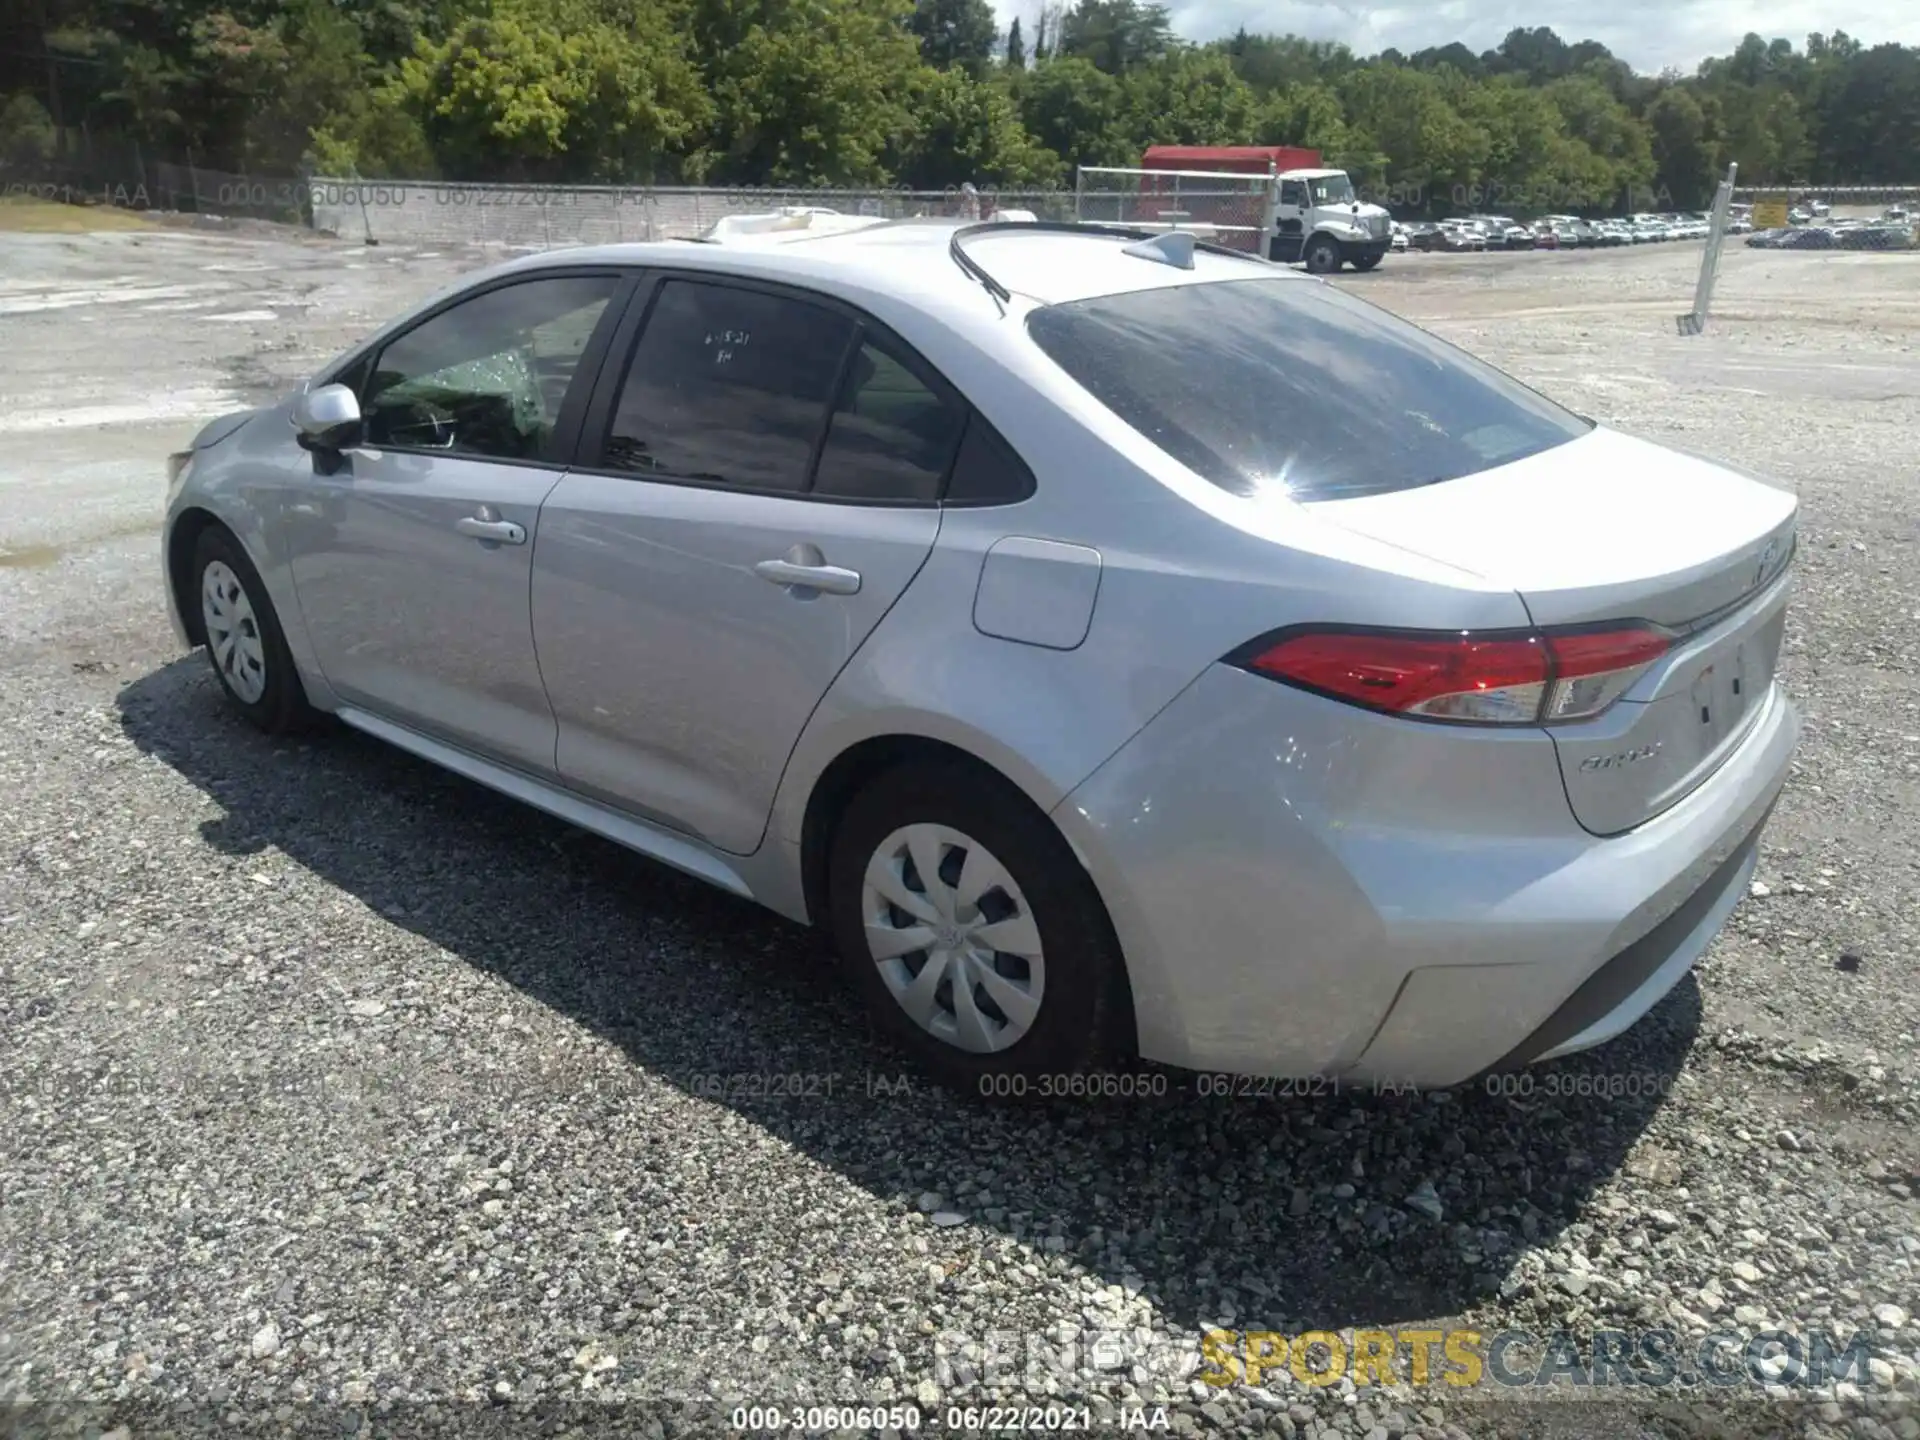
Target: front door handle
(805, 573)
(487, 526)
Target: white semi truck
(1290, 208)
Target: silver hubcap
(953, 937)
(233, 632)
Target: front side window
(487, 376)
(1286, 386)
(728, 386)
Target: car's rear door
(412, 550)
(758, 482)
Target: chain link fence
(1235, 210)
(547, 216)
(123, 177)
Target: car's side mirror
(327, 418)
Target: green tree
(1116, 35)
(806, 92)
(1421, 143)
(1310, 114)
(27, 135)
(1610, 132)
(968, 130)
(1189, 97)
(1016, 47)
(557, 90)
(1683, 142)
(1076, 112)
(1271, 63)
(955, 34)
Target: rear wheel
(1323, 255)
(973, 934)
(244, 640)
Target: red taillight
(1504, 679)
(1594, 668)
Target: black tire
(1367, 262)
(1083, 998)
(281, 706)
(1322, 255)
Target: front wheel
(974, 935)
(243, 636)
(1323, 255)
(1367, 262)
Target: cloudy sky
(1648, 34)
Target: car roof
(911, 260)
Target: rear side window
(1281, 385)
(728, 386)
(891, 437)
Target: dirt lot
(328, 1078)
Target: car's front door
(413, 573)
(759, 483)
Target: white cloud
(1648, 34)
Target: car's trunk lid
(1608, 529)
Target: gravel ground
(329, 1078)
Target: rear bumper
(1305, 889)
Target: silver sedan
(1120, 645)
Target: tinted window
(487, 376)
(728, 385)
(987, 470)
(891, 437)
(1290, 385)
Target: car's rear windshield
(1283, 384)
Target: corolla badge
(1621, 758)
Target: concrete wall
(545, 216)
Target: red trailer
(1231, 159)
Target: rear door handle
(488, 526)
(805, 573)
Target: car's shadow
(1285, 1210)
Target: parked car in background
(1424, 235)
(1397, 238)
(1874, 235)
(1511, 233)
(1820, 209)
(1799, 215)
(1458, 236)
(905, 581)
(1810, 237)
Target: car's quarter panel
(410, 617)
(679, 677)
(1278, 865)
(1178, 588)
